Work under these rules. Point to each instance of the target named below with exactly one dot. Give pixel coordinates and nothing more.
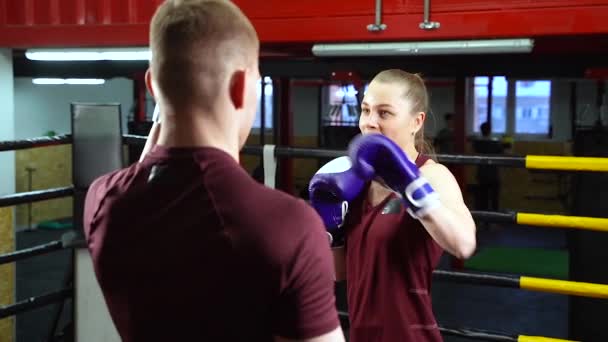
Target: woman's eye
(365, 111)
(384, 113)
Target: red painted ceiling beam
(460, 25)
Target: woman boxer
(400, 209)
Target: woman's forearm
(453, 231)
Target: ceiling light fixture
(454, 47)
(114, 54)
(70, 81)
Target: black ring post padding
(131, 139)
(299, 152)
(35, 142)
(295, 152)
(31, 252)
(35, 302)
(496, 217)
(482, 160)
(477, 279)
(35, 196)
(475, 334)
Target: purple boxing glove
(376, 155)
(331, 189)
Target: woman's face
(386, 111)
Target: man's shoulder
(96, 200)
(293, 225)
(115, 182)
(278, 213)
(114, 178)
(280, 204)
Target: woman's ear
(419, 121)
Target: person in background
(444, 141)
(488, 177)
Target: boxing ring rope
(35, 142)
(521, 282)
(561, 221)
(35, 196)
(31, 252)
(567, 163)
(543, 220)
(68, 240)
(35, 302)
(546, 285)
(484, 335)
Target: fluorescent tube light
(455, 47)
(116, 54)
(71, 81)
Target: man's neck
(199, 133)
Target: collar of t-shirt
(160, 152)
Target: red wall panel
(118, 12)
(93, 11)
(15, 12)
(437, 6)
(41, 12)
(76, 12)
(146, 8)
(316, 8)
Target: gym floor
(510, 311)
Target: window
(528, 114)
(532, 99)
(499, 103)
(344, 108)
(268, 105)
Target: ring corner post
(96, 150)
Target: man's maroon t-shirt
(186, 246)
(390, 258)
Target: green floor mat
(521, 261)
(54, 225)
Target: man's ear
(238, 87)
(148, 80)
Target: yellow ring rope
(578, 222)
(564, 287)
(567, 163)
